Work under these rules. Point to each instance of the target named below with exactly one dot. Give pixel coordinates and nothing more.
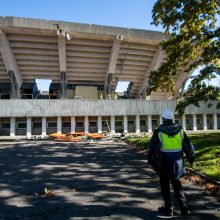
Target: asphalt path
(59, 181)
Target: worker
(171, 141)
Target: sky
(121, 13)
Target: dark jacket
(172, 162)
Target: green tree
(194, 41)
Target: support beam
(112, 65)
(44, 126)
(149, 123)
(184, 122)
(99, 124)
(86, 122)
(155, 64)
(73, 124)
(112, 124)
(10, 64)
(12, 126)
(204, 122)
(29, 127)
(59, 124)
(62, 50)
(194, 123)
(215, 121)
(63, 85)
(161, 120)
(137, 122)
(62, 61)
(180, 81)
(125, 122)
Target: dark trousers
(177, 187)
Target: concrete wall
(87, 92)
(70, 94)
(50, 108)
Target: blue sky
(121, 13)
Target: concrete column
(137, 121)
(73, 124)
(44, 126)
(99, 124)
(125, 122)
(112, 124)
(194, 123)
(149, 123)
(204, 122)
(184, 122)
(29, 127)
(12, 126)
(59, 124)
(86, 122)
(161, 121)
(215, 121)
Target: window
(198, 121)
(177, 121)
(21, 125)
(66, 124)
(52, 124)
(5, 125)
(188, 121)
(130, 123)
(154, 122)
(142, 123)
(209, 121)
(105, 123)
(92, 124)
(37, 124)
(118, 123)
(79, 124)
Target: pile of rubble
(75, 136)
(87, 137)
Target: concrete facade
(24, 117)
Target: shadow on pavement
(87, 181)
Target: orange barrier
(95, 136)
(67, 139)
(76, 134)
(55, 135)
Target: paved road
(88, 181)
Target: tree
(194, 41)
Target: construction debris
(90, 137)
(75, 136)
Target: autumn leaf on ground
(48, 192)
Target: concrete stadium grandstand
(85, 63)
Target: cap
(167, 114)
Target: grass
(207, 146)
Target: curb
(209, 179)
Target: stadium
(85, 64)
